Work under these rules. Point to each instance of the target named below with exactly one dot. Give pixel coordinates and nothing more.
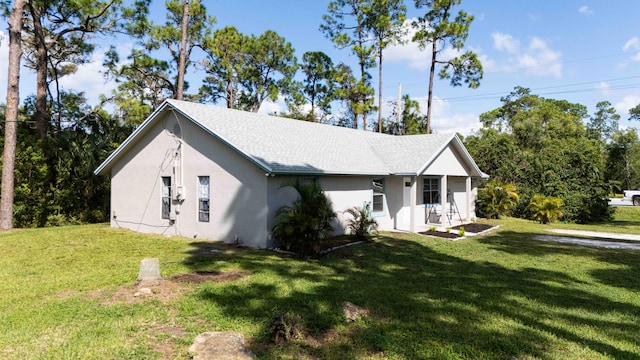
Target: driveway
(619, 202)
(593, 242)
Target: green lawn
(66, 294)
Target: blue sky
(581, 51)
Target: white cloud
(628, 102)
(506, 42)
(410, 52)
(89, 79)
(541, 60)
(633, 45)
(538, 58)
(604, 88)
(443, 122)
(273, 107)
(585, 10)
(488, 65)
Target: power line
(519, 68)
(553, 87)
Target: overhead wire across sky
(493, 95)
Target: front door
(405, 211)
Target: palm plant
(306, 224)
(497, 199)
(361, 224)
(545, 209)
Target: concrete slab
(149, 270)
(587, 242)
(598, 234)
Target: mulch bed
(446, 235)
(474, 227)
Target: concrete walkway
(597, 234)
(587, 242)
(593, 242)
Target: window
(430, 190)
(166, 197)
(203, 198)
(378, 194)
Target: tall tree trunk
(364, 120)
(380, 90)
(230, 95)
(183, 51)
(432, 73)
(11, 115)
(42, 119)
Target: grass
(499, 296)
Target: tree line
(64, 137)
(553, 152)
(55, 139)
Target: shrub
(361, 224)
(545, 209)
(497, 199)
(461, 231)
(303, 226)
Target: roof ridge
(281, 145)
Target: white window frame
(378, 189)
(204, 199)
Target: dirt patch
(213, 276)
(162, 290)
(474, 227)
(441, 234)
(67, 293)
(165, 338)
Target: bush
(303, 226)
(61, 220)
(497, 199)
(545, 209)
(361, 224)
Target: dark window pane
(203, 210)
(166, 197)
(166, 207)
(378, 202)
(203, 216)
(430, 190)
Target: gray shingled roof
(286, 146)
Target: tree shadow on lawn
(423, 303)
(625, 263)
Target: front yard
(68, 293)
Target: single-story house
(208, 172)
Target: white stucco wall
(449, 162)
(344, 192)
(238, 188)
(136, 183)
(244, 202)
